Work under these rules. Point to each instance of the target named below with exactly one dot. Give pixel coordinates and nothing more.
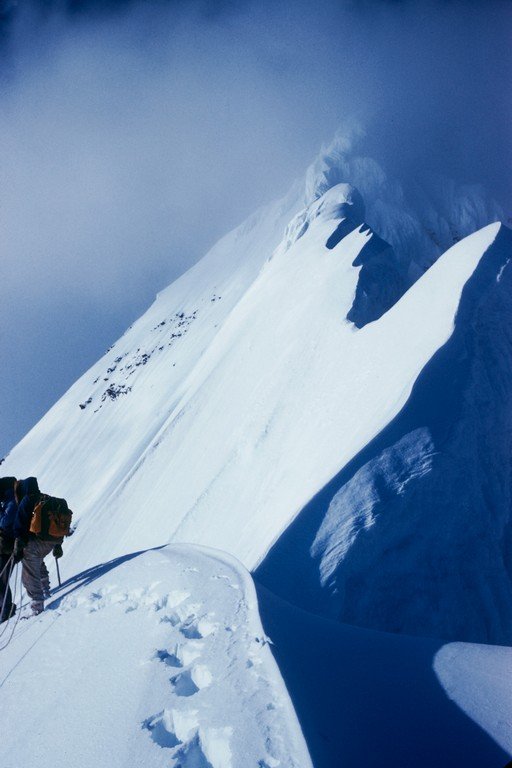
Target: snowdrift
(156, 659)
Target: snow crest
(164, 654)
(414, 535)
(419, 221)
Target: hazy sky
(134, 134)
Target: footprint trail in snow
(197, 637)
(166, 659)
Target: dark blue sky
(134, 134)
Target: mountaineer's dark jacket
(28, 494)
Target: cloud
(134, 134)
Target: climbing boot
(37, 607)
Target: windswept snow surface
(419, 222)
(246, 388)
(219, 415)
(156, 660)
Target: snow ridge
(165, 652)
(414, 534)
(248, 386)
(289, 402)
(419, 224)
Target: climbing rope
(6, 566)
(16, 591)
(9, 564)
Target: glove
(57, 551)
(17, 552)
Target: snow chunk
(478, 678)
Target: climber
(34, 541)
(8, 509)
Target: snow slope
(159, 658)
(289, 402)
(245, 389)
(420, 219)
(285, 393)
(372, 699)
(414, 534)
(156, 659)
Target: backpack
(51, 518)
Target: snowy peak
(340, 203)
(301, 403)
(420, 219)
(383, 276)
